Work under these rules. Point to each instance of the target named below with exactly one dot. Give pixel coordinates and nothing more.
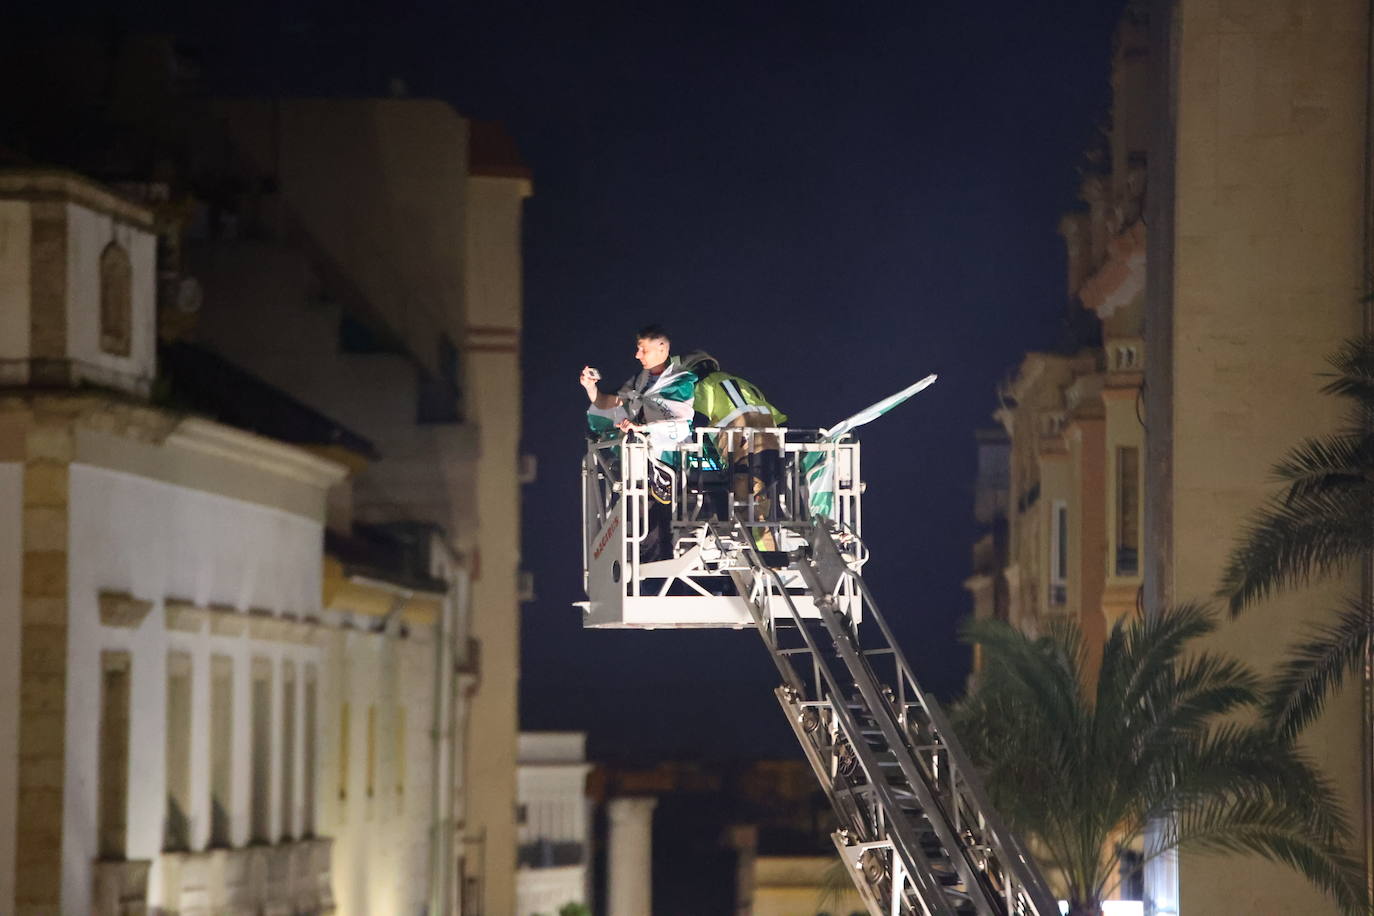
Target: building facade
(554, 818)
(160, 595)
(1259, 268)
(1060, 479)
(363, 257)
(1257, 130)
(395, 307)
(245, 654)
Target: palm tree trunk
(1085, 908)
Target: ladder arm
(919, 833)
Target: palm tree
(1319, 523)
(1084, 769)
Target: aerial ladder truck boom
(916, 828)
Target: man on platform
(656, 403)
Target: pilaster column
(630, 886)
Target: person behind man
(657, 402)
(748, 449)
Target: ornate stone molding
(120, 887)
(262, 624)
(221, 441)
(299, 631)
(226, 621)
(119, 609)
(257, 623)
(184, 616)
(281, 878)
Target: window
(357, 337)
(261, 825)
(1059, 554)
(221, 748)
(113, 784)
(1132, 874)
(176, 834)
(308, 757)
(400, 750)
(371, 750)
(343, 751)
(1127, 511)
(438, 396)
(116, 300)
(288, 749)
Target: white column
(629, 885)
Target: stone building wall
(1261, 164)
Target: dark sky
(833, 198)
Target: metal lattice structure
(917, 830)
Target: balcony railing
(283, 879)
(549, 854)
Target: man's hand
(625, 426)
(588, 380)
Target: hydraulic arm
(917, 830)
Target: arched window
(116, 299)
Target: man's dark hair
(652, 332)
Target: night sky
(832, 198)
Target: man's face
(651, 351)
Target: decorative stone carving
(300, 631)
(226, 621)
(286, 877)
(263, 625)
(121, 888)
(119, 609)
(116, 300)
(184, 616)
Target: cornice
(58, 185)
(220, 441)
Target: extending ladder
(917, 831)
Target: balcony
(284, 879)
(550, 854)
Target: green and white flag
(820, 473)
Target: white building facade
(553, 822)
(199, 713)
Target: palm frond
(1354, 365)
(1235, 764)
(1290, 543)
(1157, 740)
(1289, 815)
(1048, 668)
(1321, 519)
(1316, 667)
(1152, 646)
(1256, 828)
(1335, 464)
(1202, 689)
